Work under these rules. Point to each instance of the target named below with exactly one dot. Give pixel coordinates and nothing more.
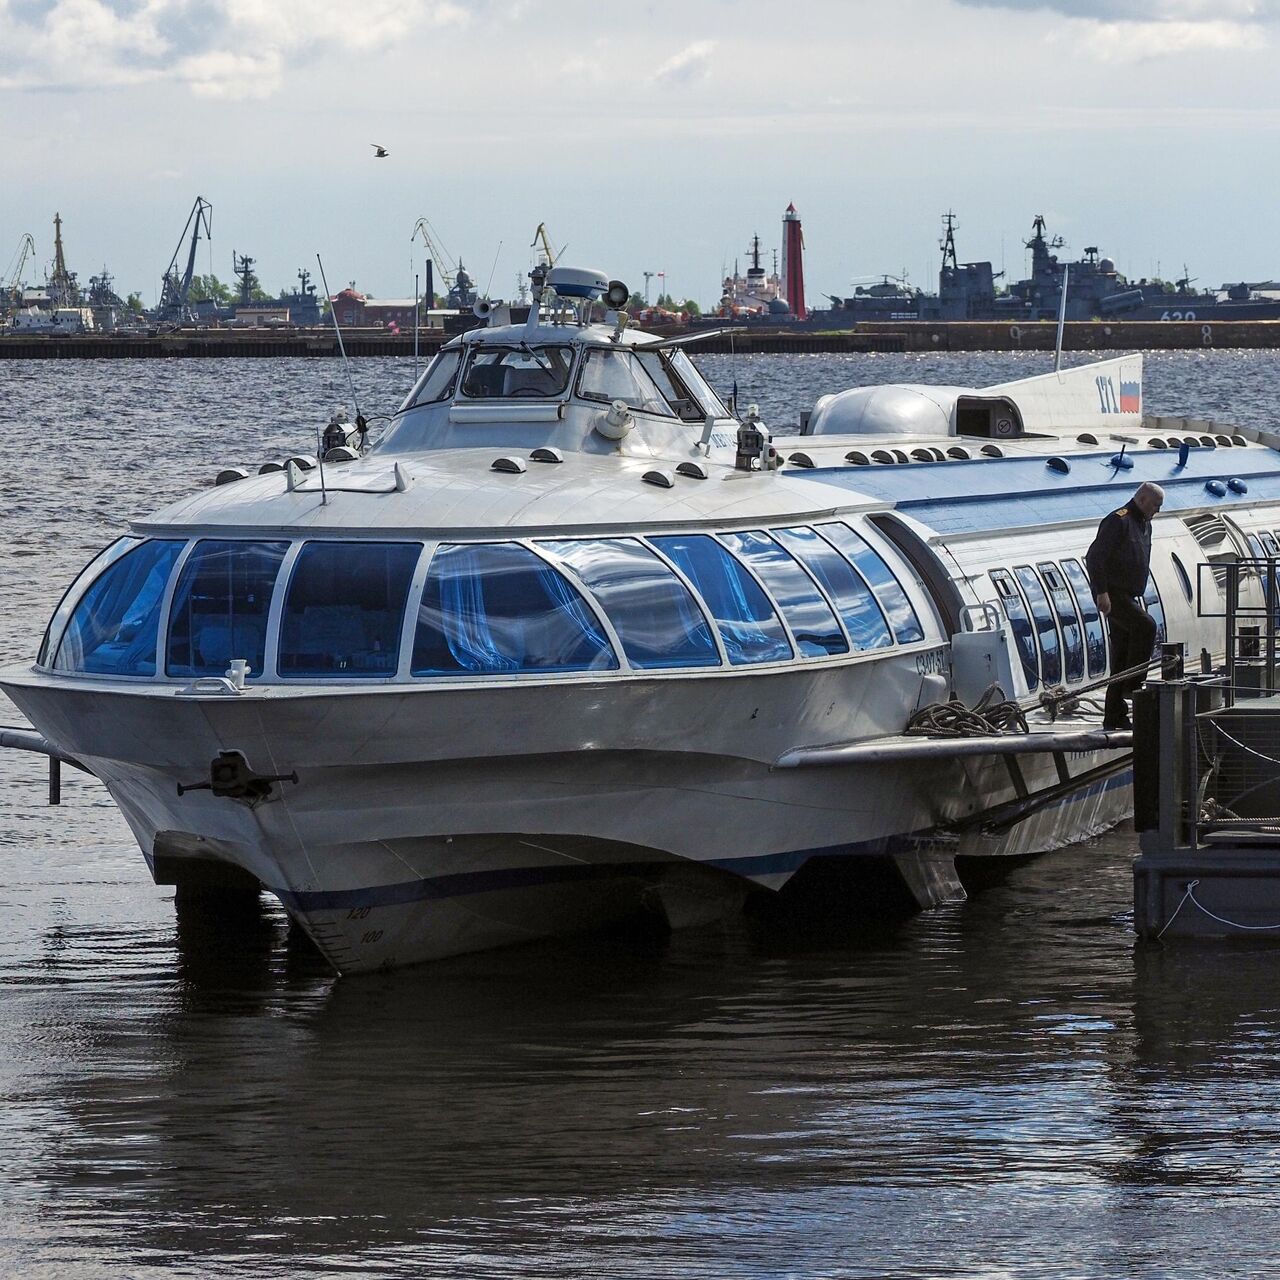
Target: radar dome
(1107, 266)
(777, 307)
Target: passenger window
(1046, 630)
(1256, 550)
(344, 609)
(1184, 578)
(1068, 620)
(617, 375)
(71, 596)
(1016, 612)
(871, 565)
(653, 612)
(862, 615)
(437, 383)
(496, 608)
(807, 612)
(1095, 638)
(1269, 543)
(748, 625)
(220, 607)
(113, 630)
(1155, 607)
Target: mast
(949, 242)
(62, 283)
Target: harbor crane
(543, 244)
(173, 294)
(11, 289)
(438, 261)
(445, 267)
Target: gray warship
(1095, 290)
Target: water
(1007, 1087)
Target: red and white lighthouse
(793, 263)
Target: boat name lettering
(934, 662)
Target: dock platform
(1206, 782)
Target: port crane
(443, 262)
(11, 290)
(541, 242)
(173, 294)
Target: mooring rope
(1234, 924)
(953, 719)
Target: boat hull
(429, 821)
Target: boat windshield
(437, 383)
(610, 374)
(698, 386)
(497, 372)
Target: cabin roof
(457, 490)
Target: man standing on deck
(1119, 562)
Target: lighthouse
(793, 263)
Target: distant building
(261, 315)
(355, 310)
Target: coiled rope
(992, 714)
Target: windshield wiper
(541, 361)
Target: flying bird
(379, 152)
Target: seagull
(379, 152)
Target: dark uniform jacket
(1120, 558)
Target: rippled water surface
(1006, 1087)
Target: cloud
(1208, 12)
(1129, 31)
(1139, 41)
(216, 48)
(693, 62)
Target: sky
(658, 136)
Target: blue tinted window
(1068, 620)
(1151, 598)
(1023, 636)
(808, 614)
(653, 612)
(1255, 549)
(496, 608)
(748, 625)
(1095, 641)
(1046, 631)
(220, 607)
(345, 607)
(1183, 579)
(869, 563)
(106, 557)
(1270, 548)
(862, 616)
(113, 630)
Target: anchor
(231, 777)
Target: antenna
(1062, 322)
(492, 269)
(361, 425)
